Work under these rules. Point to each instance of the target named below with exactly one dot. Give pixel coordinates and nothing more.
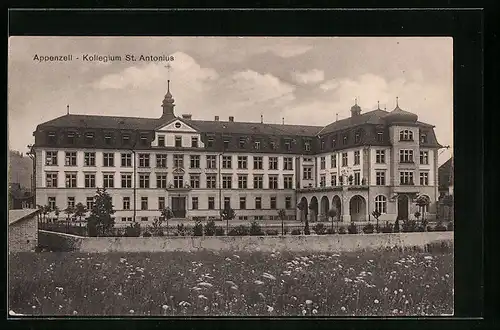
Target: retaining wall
(299, 243)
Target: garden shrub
(430, 228)
(420, 229)
(296, 232)
(159, 233)
(409, 226)
(330, 231)
(352, 229)
(133, 230)
(146, 234)
(396, 226)
(241, 230)
(368, 229)
(387, 228)
(210, 228)
(181, 230)
(256, 229)
(450, 226)
(440, 227)
(272, 232)
(219, 231)
(319, 229)
(342, 230)
(198, 229)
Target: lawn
(208, 283)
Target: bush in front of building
(307, 231)
(296, 232)
(219, 231)
(272, 232)
(198, 229)
(396, 226)
(330, 231)
(368, 229)
(450, 226)
(409, 226)
(256, 229)
(146, 234)
(440, 227)
(241, 230)
(181, 230)
(387, 228)
(430, 228)
(352, 229)
(210, 228)
(319, 229)
(133, 230)
(342, 230)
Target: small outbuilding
(23, 230)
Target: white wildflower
(376, 301)
(407, 302)
(165, 307)
(75, 312)
(428, 257)
(234, 287)
(395, 311)
(202, 297)
(205, 284)
(385, 289)
(400, 290)
(343, 309)
(304, 312)
(131, 311)
(308, 302)
(206, 308)
(315, 311)
(269, 276)
(258, 282)
(119, 293)
(270, 309)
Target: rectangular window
(423, 138)
(161, 140)
(307, 173)
(227, 181)
(211, 181)
(243, 203)
(258, 181)
(70, 138)
(52, 203)
(334, 143)
(178, 141)
(380, 178)
(424, 157)
(70, 180)
(144, 219)
(272, 202)
(226, 144)
(357, 157)
(322, 144)
(195, 161)
(210, 142)
(51, 180)
(179, 161)
(194, 180)
(71, 202)
(242, 181)
(144, 160)
(357, 178)
(307, 145)
(288, 145)
(406, 178)
(344, 159)
(241, 143)
(380, 137)
(70, 159)
(126, 139)
(108, 180)
(194, 203)
(90, 203)
(256, 145)
(144, 203)
(424, 178)
(144, 180)
(178, 181)
(273, 163)
(288, 163)
(211, 162)
(108, 159)
(257, 162)
(126, 180)
(380, 156)
(323, 163)
(89, 159)
(108, 140)
(161, 203)
(273, 182)
(344, 139)
(51, 138)
(126, 203)
(357, 138)
(288, 202)
(227, 162)
(126, 160)
(258, 203)
(161, 180)
(333, 161)
(51, 158)
(227, 202)
(89, 138)
(322, 180)
(194, 142)
(333, 180)
(161, 160)
(242, 162)
(89, 180)
(211, 203)
(288, 182)
(144, 140)
(406, 156)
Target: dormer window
(423, 138)
(406, 135)
(126, 139)
(161, 140)
(242, 142)
(334, 143)
(226, 143)
(89, 138)
(380, 137)
(107, 138)
(256, 145)
(344, 139)
(273, 145)
(178, 141)
(307, 145)
(51, 137)
(210, 142)
(144, 140)
(357, 138)
(288, 145)
(71, 138)
(322, 144)
(194, 142)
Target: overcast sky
(305, 80)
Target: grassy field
(207, 283)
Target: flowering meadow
(387, 283)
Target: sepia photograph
(230, 176)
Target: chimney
(187, 116)
(261, 119)
(216, 118)
(231, 118)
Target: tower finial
(356, 101)
(378, 105)
(397, 102)
(67, 109)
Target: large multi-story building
(374, 160)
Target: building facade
(376, 160)
(23, 230)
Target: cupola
(400, 116)
(355, 109)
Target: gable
(177, 126)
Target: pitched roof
(445, 173)
(18, 215)
(111, 122)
